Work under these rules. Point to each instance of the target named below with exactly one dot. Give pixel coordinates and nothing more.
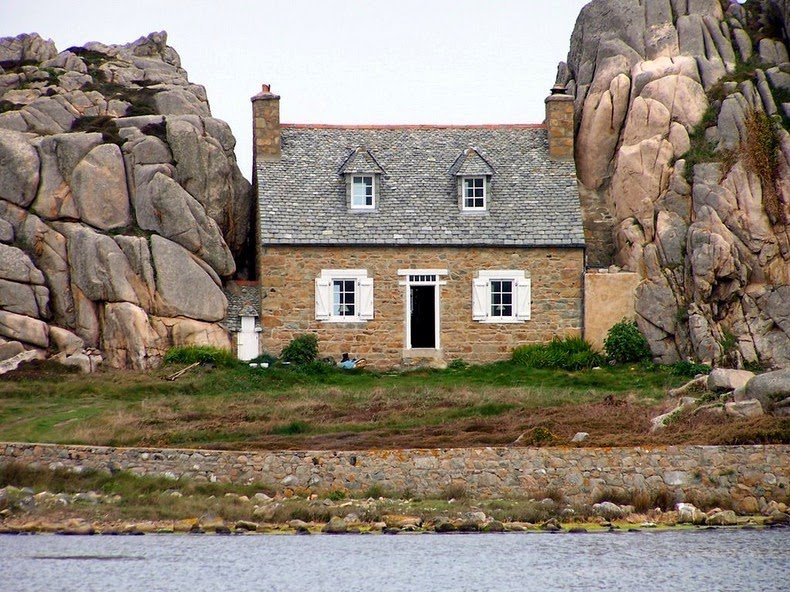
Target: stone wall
(608, 299)
(728, 472)
(288, 305)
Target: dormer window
(363, 178)
(363, 192)
(473, 173)
(474, 193)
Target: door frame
(422, 277)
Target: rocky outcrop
(683, 158)
(121, 205)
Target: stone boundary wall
(730, 472)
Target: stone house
(411, 243)
(243, 318)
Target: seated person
(350, 363)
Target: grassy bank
(321, 407)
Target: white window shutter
(479, 299)
(323, 299)
(366, 298)
(524, 299)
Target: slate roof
(361, 161)
(533, 201)
(243, 300)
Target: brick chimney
(559, 123)
(266, 125)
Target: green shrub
(570, 353)
(457, 364)
(291, 429)
(302, 349)
(264, 358)
(189, 354)
(624, 343)
(689, 369)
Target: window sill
(502, 321)
(345, 320)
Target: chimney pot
(266, 124)
(559, 123)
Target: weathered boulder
(16, 266)
(65, 341)
(166, 208)
(183, 285)
(722, 518)
(336, 525)
(24, 329)
(717, 245)
(183, 331)
(128, 338)
(771, 390)
(71, 247)
(98, 266)
(19, 166)
(47, 247)
(727, 379)
(25, 48)
(690, 514)
(683, 97)
(99, 188)
(25, 299)
(9, 349)
(744, 409)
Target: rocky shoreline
(23, 511)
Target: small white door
(247, 340)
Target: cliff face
(683, 157)
(121, 205)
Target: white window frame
(363, 295)
(364, 206)
(482, 300)
(464, 197)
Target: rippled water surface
(738, 560)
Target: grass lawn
(327, 408)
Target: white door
(247, 339)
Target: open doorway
(423, 316)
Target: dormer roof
(360, 161)
(470, 163)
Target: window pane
(501, 298)
(362, 191)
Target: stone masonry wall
(288, 305)
(728, 472)
(608, 299)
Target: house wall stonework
(288, 293)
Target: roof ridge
(425, 126)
